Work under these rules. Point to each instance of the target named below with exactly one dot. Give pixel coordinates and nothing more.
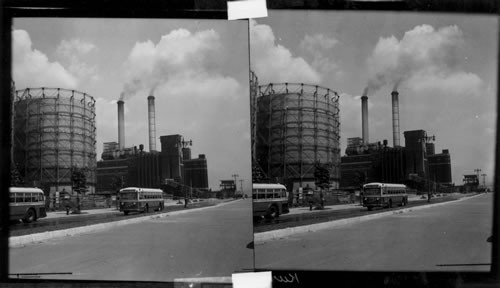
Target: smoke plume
(179, 54)
(421, 50)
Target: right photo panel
(373, 139)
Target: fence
(90, 201)
(330, 197)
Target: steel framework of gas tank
(295, 127)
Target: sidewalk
(357, 205)
(303, 210)
(114, 209)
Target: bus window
(12, 197)
(276, 193)
(19, 197)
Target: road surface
(451, 237)
(199, 243)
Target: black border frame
(217, 9)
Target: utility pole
(235, 182)
(241, 187)
(477, 171)
(484, 179)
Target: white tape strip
(253, 280)
(246, 9)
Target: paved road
(451, 237)
(199, 243)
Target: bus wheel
(125, 212)
(370, 208)
(272, 213)
(30, 216)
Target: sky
(444, 67)
(197, 70)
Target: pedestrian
(322, 199)
(297, 198)
(185, 201)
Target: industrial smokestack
(364, 118)
(121, 125)
(395, 118)
(152, 123)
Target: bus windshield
(372, 191)
(128, 195)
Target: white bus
(384, 195)
(269, 200)
(27, 204)
(133, 199)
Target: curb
(260, 238)
(20, 241)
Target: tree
(79, 180)
(322, 176)
(15, 177)
(117, 182)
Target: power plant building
(171, 157)
(172, 167)
(295, 128)
(54, 134)
(415, 165)
(196, 172)
(440, 167)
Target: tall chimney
(364, 118)
(152, 123)
(121, 125)
(395, 118)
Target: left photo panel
(131, 149)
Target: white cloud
(421, 50)
(319, 46)
(71, 52)
(457, 83)
(179, 54)
(318, 42)
(32, 68)
(75, 46)
(273, 62)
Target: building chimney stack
(364, 118)
(121, 125)
(395, 118)
(152, 123)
